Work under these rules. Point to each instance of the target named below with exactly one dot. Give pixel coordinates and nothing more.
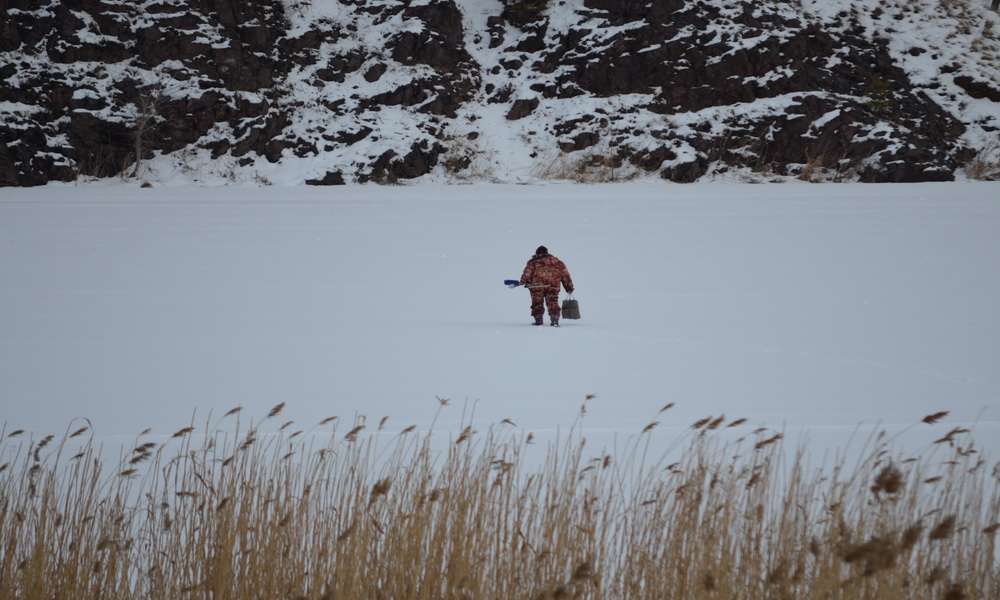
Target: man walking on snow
(542, 276)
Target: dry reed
(244, 513)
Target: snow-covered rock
(342, 91)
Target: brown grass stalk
(250, 513)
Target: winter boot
(555, 321)
(538, 320)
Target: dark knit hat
(542, 250)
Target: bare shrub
(985, 165)
(597, 164)
(467, 160)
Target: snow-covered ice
(807, 308)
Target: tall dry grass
(233, 511)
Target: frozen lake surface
(806, 308)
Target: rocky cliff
(343, 91)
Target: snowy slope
(287, 92)
(522, 150)
(936, 43)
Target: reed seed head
(936, 575)
(910, 537)
(276, 410)
(182, 432)
(955, 591)
(381, 488)
(466, 434)
(768, 441)
(944, 529)
(347, 532)
(934, 418)
(701, 422)
(584, 570)
(950, 437)
(715, 423)
(352, 435)
(888, 481)
(877, 554)
(708, 582)
(250, 439)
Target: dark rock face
(753, 53)
(385, 91)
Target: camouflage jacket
(546, 270)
